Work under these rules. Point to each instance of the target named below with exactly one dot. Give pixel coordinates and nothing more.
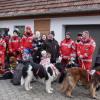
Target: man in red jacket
(27, 39)
(78, 45)
(14, 45)
(6, 37)
(86, 51)
(67, 49)
(2, 54)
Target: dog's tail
(62, 76)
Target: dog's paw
(94, 97)
(30, 87)
(71, 96)
(22, 84)
(49, 91)
(27, 89)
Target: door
(42, 25)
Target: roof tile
(18, 7)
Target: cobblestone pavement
(11, 92)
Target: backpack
(17, 74)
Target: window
(20, 29)
(3, 31)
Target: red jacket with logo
(14, 44)
(2, 46)
(67, 49)
(86, 50)
(26, 42)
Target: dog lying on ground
(37, 71)
(70, 78)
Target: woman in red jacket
(2, 54)
(14, 45)
(27, 39)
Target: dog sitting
(47, 72)
(70, 78)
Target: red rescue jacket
(67, 49)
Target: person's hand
(86, 55)
(7, 52)
(36, 48)
(72, 58)
(0, 52)
(10, 50)
(81, 57)
(21, 51)
(59, 59)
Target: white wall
(57, 23)
(11, 23)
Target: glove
(36, 48)
(72, 59)
(81, 57)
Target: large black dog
(37, 71)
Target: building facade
(47, 15)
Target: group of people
(81, 50)
(33, 43)
(30, 44)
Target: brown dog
(70, 78)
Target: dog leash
(83, 66)
(98, 72)
(37, 71)
(54, 69)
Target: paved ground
(10, 92)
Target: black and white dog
(46, 72)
